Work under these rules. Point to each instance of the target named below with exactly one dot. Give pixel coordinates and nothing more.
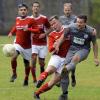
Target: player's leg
(79, 56)
(64, 87)
(49, 70)
(42, 54)
(68, 59)
(64, 83)
(47, 86)
(33, 66)
(27, 71)
(42, 64)
(26, 54)
(33, 62)
(73, 79)
(14, 66)
(54, 63)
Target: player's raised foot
(73, 83)
(39, 83)
(36, 97)
(25, 83)
(63, 97)
(13, 77)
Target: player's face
(36, 8)
(55, 24)
(67, 10)
(22, 11)
(80, 23)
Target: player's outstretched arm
(95, 51)
(12, 31)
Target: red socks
(43, 76)
(43, 89)
(14, 65)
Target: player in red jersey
(57, 59)
(39, 41)
(22, 42)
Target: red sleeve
(51, 41)
(13, 30)
(34, 30)
(34, 27)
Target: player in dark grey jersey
(66, 19)
(81, 36)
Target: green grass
(87, 88)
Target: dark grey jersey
(67, 20)
(80, 38)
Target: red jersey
(53, 36)
(23, 38)
(43, 24)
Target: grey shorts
(82, 53)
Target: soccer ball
(9, 50)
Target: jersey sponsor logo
(20, 27)
(85, 36)
(78, 40)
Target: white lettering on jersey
(20, 27)
(78, 41)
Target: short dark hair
(36, 2)
(53, 17)
(84, 17)
(22, 5)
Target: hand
(25, 28)
(55, 43)
(9, 35)
(42, 36)
(56, 46)
(97, 62)
(94, 32)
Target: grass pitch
(87, 75)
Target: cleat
(63, 97)
(36, 97)
(25, 83)
(39, 83)
(13, 78)
(73, 83)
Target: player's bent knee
(76, 59)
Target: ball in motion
(9, 50)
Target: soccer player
(81, 37)
(57, 59)
(22, 42)
(39, 41)
(66, 19)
